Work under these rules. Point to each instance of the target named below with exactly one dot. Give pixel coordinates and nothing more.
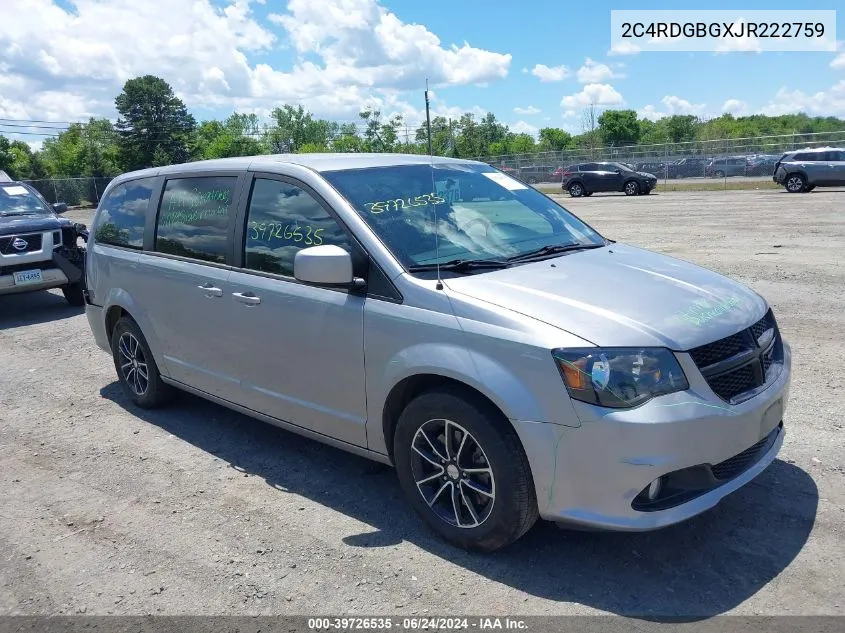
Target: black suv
(38, 249)
(688, 168)
(588, 178)
(533, 174)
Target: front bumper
(51, 278)
(591, 475)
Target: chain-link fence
(73, 191)
(753, 157)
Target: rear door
(303, 345)
(590, 176)
(836, 167)
(186, 289)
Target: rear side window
(194, 219)
(123, 214)
(806, 157)
(282, 220)
(590, 167)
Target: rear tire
(576, 190)
(795, 183)
(136, 368)
(475, 489)
(73, 294)
(719, 174)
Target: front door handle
(247, 298)
(210, 291)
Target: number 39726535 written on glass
(275, 231)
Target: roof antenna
(439, 285)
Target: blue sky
(534, 64)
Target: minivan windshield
(18, 199)
(480, 213)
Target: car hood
(621, 295)
(17, 224)
(645, 174)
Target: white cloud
(65, 64)
(735, 107)
(550, 73)
(623, 48)
(594, 72)
(596, 94)
(672, 105)
(528, 110)
(823, 103)
(521, 127)
(838, 62)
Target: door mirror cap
(60, 207)
(326, 265)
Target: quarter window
(195, 217)
(282, 220)
(123, 214)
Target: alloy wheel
(452, 473)
(133, 364)
(631, 188)
(795, 183)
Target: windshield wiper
(552, 249)
(460, 265)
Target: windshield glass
(481, 213)
(17, 199)
(622, 166)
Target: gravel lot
(196, 509)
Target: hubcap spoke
(431, 444)
(133, 364)
(425, 480)
(469, 507)
(427, 458)
(469, 483)
(455, 506)
(438, 493)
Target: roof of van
(317, 162)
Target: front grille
(733, 383)
(739, 463)
(737, 364)
(33, 243)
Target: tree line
(155, 128)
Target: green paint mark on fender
(702, 311)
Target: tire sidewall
(498, 528)
(636, 189)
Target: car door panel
(303, 345)
(184, 275)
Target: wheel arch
(410, 387)
(120, 303)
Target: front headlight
(619, 377)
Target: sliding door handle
(246, 298)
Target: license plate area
(27, 277)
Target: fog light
(654, 488)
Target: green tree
(154, 126)
(680, 127)
(347, 139)
(619, 127)
(380, 135)
(554, 139)
(295, 127)
(238, 135)
(521, 144)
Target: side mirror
(326, 265)
(60, 207)
(617, 170)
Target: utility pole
(427, 117)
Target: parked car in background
(730, 166)
(585, 179)
(38, 249)
(803, 170)
(761, 164)
(519, 365)
(657, 168)
(533, 174)
(690, 167)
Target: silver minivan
(442, 317)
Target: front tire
(632, 188)
(795, 183)
(73, 294)
(136, 368)
(719, 174)
(463, 470)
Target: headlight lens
(619, 377)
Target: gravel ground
(196, 509)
